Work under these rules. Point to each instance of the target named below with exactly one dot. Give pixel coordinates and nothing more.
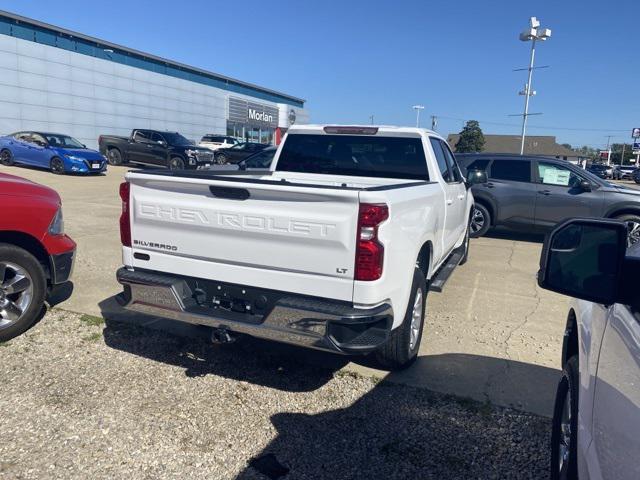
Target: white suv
(215, 142)
(596, 422)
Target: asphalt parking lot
(492, 335)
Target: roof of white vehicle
(381, 128)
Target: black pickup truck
(153, 147)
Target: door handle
(489, 185)
(460, 197)
(544, 192)
(449, 201)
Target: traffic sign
(636, 145)
(635, 133)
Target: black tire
(114, 156)
(480, 221)
(633, 224)
(57, 166)
(176, 163)
(10, 258)
(569, 385)
(399, 353)
(6, 157)
(220, 158)
(465, 245)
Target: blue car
(59, 153)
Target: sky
(352, 59)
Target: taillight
(369, 251)
(125, 220)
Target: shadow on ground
(405, 432)
(260, 362)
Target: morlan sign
(260, 116)
(251, 113)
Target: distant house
(533, 145)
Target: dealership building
(56, 80)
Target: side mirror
(83, 145)
(586, 259)
(475, 177)
(585, 185)
(242, 166)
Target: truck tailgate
(277, 236)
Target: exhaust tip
(222, 335)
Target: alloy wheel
(16, 293)
(416, 320)
(477, 220)
(57, 166)
(564, 447)
(633, 236)
(5, 157)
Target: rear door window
(354, 155)
(511, 170)
(552, 174)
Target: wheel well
(30, 244)
(424, 258)
(489, 207)
(624, 211)
(570, 345)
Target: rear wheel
(220, 158)
(564, 428)
(401, 350)
(114, 156)
(57, 166)
(480, 221)
(6, 157)
(633, 225)
(22, 291)
(176, 163)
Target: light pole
(532, 34)
(417, 108)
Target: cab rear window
(354, 155)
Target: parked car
(626, 172)
(57, 152)
(617, 173)
(636, 175)
(35, 254)
(537, 193)
(258, 161)
(600, 170)
(238, 152)
(215, 142)
(596, 416)
(325, 252)
(156, 148)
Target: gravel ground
(81, 399)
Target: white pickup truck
(333, 248)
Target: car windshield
(176, 139)
(354, 155)
(62, 141)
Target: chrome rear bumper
(306, 321)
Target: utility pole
(371, 118)
(434, 122)
(533, 34)
(609, 149)
(622, 156)
(417, 108)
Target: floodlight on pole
(417, 108)
(532, 34)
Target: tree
(616, 153)
(471, 138)
(567, 145)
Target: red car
(35, 254)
